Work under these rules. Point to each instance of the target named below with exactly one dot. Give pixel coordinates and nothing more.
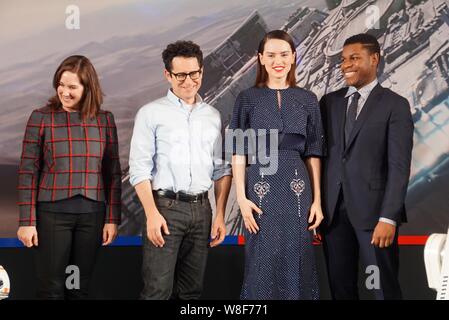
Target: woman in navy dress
(279, 192)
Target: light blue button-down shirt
(364, 94)
(177, 146)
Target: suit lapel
(368, 107)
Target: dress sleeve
(239, 135)
(240, 117)
(315, 144)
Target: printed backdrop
(124, 40)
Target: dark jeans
(66, 239)
(176, 270)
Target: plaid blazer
(62, 156)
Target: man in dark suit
(369, 131)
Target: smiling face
(359, 66)
(187, 88)
(277, 58)
(70, 90)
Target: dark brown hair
(262, 75)
(92, 98)
(181, 48)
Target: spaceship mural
(414, 38)
(415, 47)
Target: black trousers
(343, 244)
(66, 239)
(176, 270)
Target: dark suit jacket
(63, 156)
(374, 168)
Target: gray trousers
(176, 270)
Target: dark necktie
(351, 115)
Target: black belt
(181, 196)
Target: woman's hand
(28, 236)
(316, 214)
(109, 233)
(246, 208)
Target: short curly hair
(181, 48)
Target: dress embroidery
(261, 188)
(298, 186)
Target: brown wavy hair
(92, 98)
(262, 75)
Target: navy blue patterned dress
(279, 259)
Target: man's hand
(218, 231)
(383, 234)
(155, 223)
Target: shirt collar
(178, 101)
(364, 91)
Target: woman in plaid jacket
(69, 180)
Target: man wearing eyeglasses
(175, 158)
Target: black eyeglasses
(181, 76)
